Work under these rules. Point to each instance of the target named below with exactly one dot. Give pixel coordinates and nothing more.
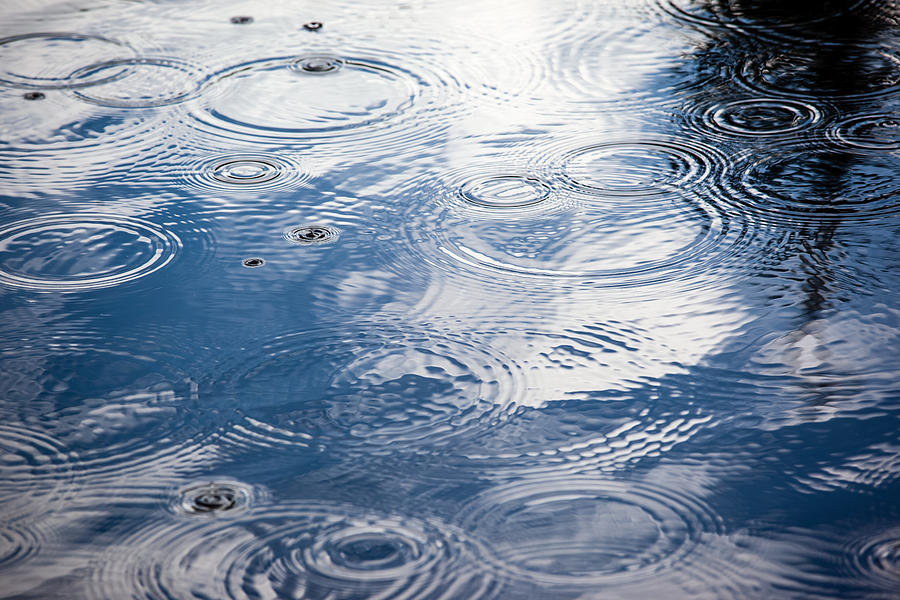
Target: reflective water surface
(413, 299)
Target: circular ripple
(139, 82)
(860, 73)
(36, 473)
(877, 558)
(380, 387)
(82, 251)
(290, 97)
(17, 544)
(214, 497)
(254, 262)
(872, 132)
(298, 551)
(312, 234)
(251, 171)
(46, 60)
(639, 168)
(816, 183)
(584, 532)
(761, 117)
(505, 191)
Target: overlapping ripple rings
(876, 559)
(321, 96)
(815, 183)
(48, 60)
(297, 550)
(377, 387)
(73, 252)
(139, 82)
(871, 132)
(253, 172)
(614, 532)
(759, 117)
(622, 214)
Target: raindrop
(254, 262)
(312, 26)
(317, 64)
(312, 234)
(34, 95)
(241, 20)
(213, 497)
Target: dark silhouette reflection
(830, 57)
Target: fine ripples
(379, 387)
(613, 532)
(82, 251)
(252, 172)
(139, 82)
(871, 132)
(52, 60)
(214, 497)
(298, 551)
(815, 183)
(876, 558)
(760, 117)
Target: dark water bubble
(73, 252)
(873, 132)
(299, 551)
(252, 263)
(640, 167)
(140, 82)
(815, 183)
(318, 64)
(505, 191)
(312, 234)
(755, 117)
(48, 60)
(34, 95)
(241, 20)
(376, 387)
(613, 532)
(214, 497)
(312, 26)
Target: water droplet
(318, 64)
(254, 262)
(34, 95)
(312, 234)
(214, 497)
(241, 20)
(312, 26)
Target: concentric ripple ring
(82, 251)
(140, 82)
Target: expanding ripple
(381, 387)
(253, 171)
(815, 183)
(876, 559)
(215, 498)
(47, 60)
(308, 96)
(871, 132)
(612, 532)
(312, 234)
(296, 550)
(757, 117)
(36, 473)
(640, 167)
(82, 251)
(505, 191)
(17, 544)
(859, 74)
(139, 82)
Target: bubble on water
(241, 20)
(253, 262)
(140, 82)
(317, 64)
(34, 95)
(312, 26)
(312, 234)
(48, 60)
(214, 498)
(73, 252)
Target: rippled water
(449, 300)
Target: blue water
(449, 299)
